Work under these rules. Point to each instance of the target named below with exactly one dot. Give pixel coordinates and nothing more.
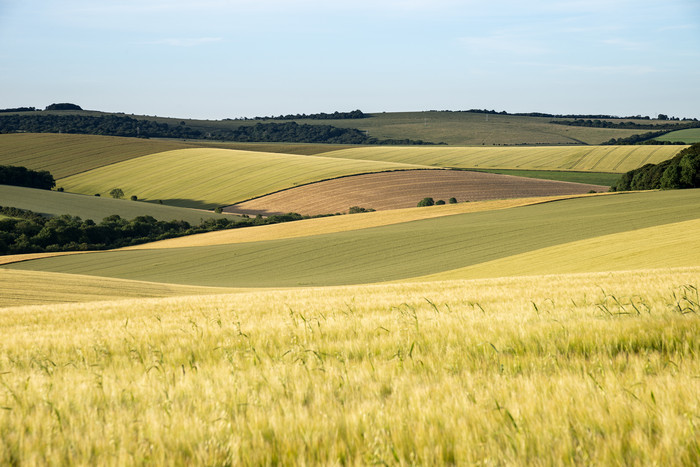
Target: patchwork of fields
(396, 190)
(555, 329)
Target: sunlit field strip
(390, 252)
(65, 154)
(208, 178)
(334, 224)
(594, 369)
(38, 288)
(581, 158)
(665, 246)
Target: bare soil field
(404, 189)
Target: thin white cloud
(625, 44)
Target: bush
(439, 202)
(452, 200)
(426, 202)
(358, 209)
(116, 193)
(134, 198)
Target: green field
(207, 178)
(96, 208)
(64, 155)
(594, 178)
(689, 136)
(618, 159)
(661, 246)
(391, 252)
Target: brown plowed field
(395, 190)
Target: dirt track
(395, 190)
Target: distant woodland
(682, 171)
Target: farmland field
(462, 128)
(689, 136)
(555, 330)
(391, 252)
(96, 208)
(537, 370)
(594, 178)
(64, 155)
(617, 159)
(326, 225)
(396, 190)
(652, 247)
(20, 288)
(207, 178)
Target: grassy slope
(617, 159)
(527, 371)
(390, 252)
(689, 136)
(21, 287)
(326, 225)
(206, 178)
(65, 155)
(92, 207)
(663, 246)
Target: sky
(215, 59)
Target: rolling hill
(617, 159)
(390, 252)
(396, 190)
(64, 154)
(207, 178)
(55, 203)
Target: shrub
(426, 202)
(452, 200)
(116, 193)
(134, 198)
(440, 202)
(357, 209)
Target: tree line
(28, 232)
(642, 138)
(21, 176)
(355, 114)
(627, 125)
(682, 171)
(122, 125)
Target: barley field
(594, 369)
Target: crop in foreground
(592, 369)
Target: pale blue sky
(232, 58)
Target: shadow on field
(183, 203)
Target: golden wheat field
(594, 369)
